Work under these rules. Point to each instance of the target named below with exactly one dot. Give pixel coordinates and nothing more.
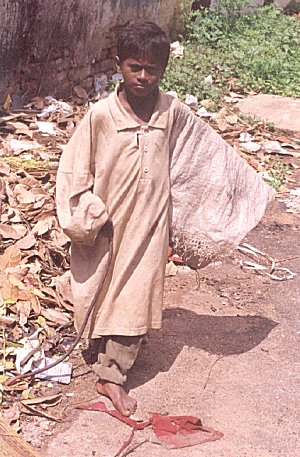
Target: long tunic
(115, 169)
(138, 177)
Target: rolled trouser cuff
(116, 356)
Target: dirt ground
(228, 353)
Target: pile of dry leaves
(35, 297)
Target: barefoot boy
(115, 172)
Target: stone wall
(47, 47)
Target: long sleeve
(81, 213)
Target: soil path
(228, 353)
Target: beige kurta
(114, 168)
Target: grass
(257, 51)
(277, 174)
(25, 164)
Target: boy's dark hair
(144, 38)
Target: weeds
(26, 164)
(258, 50)
(277, 174)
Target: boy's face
(141, 75)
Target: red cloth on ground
(174, 432)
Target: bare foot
(119, 398)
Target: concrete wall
(49, 46)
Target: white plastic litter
(117, 77)
(19, 145)
(191, 101)
(272, 270)
(250, 146)
(46, 127)
(208, 80)
(55, 106)
(177, 50)
(100, 84)
(245, 137)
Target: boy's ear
(118, 62)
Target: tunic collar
(124, 121)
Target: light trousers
(116, 355)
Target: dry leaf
(5, 320)
(27, 409)
(4, 169)
(63, 287)
(12, 232)
(47, 401)
(10, 258)
(23, 307)
(11, 414)
(27, 242)
(43, 226)
(222, 125)
(55, 316)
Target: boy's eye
(135, 68)
(153, 70)
(149, 70)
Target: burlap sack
(217, 198)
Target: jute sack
(217, 198)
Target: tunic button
(146, 169)
(146, 149)
(145, 133)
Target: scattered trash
(60, 373)
(174, 432)
(55, 106)
(274, 147)
(250, 146)
(245, 137)
(100, 84)
(177, 50)
(117, 77)
(46, 127)
(191, 101)
(208, 80)
(28, 354)
(18, 146)
(270, 269)
(202, 112)
(171, 269)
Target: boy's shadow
(220, 335)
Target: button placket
(144, 147)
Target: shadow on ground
(220, 335)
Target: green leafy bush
(259, 49)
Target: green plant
(277, 174)
(26, 164)
(257, 50)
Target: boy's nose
(143, 75)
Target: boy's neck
(140, 108)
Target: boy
(115, 172)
